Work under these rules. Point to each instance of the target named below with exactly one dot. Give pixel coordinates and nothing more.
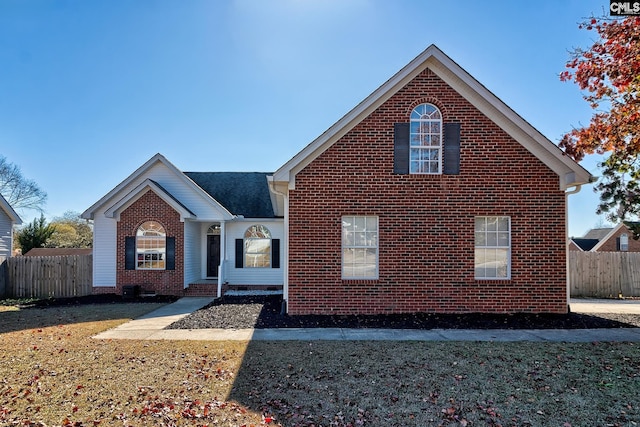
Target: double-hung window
(359, 247)
(624, 242)
(492, 247)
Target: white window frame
(492, 244)
(151, 245)
(624, 242)
(360, 247)
(425, 140)
(257, 247)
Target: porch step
(254, 292)
(201, 290)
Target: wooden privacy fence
(604, 274)
(46, 276)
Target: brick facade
(150, 207)
(611, 245)
(426, 222)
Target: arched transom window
(151, 246)
(425, 153)
(257, 247)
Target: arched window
(257, 247)
(151, 246)
(425, 150)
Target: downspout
(285, 272)
(575, 190)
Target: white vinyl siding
(104, 251)
(5, 234)
(252, 276)
(192, 252)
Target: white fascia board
(11, 213)
(287, 172)
(570, 172)
(89, 213)
(609, 235)
(139, 191)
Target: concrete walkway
(150, 327)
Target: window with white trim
(624, 242)
(257, 247)
(425, 140)
(151, 246)
(359, 247)
(492, 247)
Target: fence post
(3, 277)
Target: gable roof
(140, 190)
(241, 193)
(5, 206)
(597, 233)
(158, 158)
(570, 172)
(585, 244)
(611, 233)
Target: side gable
(569, 172)
(608, 242)
(140, 190)
(6, 207)
(584, 244)
(169, 183)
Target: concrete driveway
(588, 305)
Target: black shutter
(451, 155)
(275, 253)
(239, 253)
(171, 253)
(617, 243)
(130, 253)
(401, 148)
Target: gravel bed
(264, 311)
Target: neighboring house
(167, 231)
(423, 198)
(8, 219)
(59, 251)
(611, 239)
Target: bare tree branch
(21, 193)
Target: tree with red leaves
(609, 74)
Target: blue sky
(90, 90)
